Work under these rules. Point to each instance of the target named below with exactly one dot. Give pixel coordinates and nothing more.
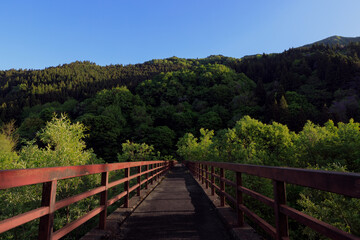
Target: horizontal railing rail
(347, 184)
(49, 178)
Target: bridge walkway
(176, 209)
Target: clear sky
(37, 34)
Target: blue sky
(38, 34)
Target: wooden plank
(229, 197)
(227, 181)
(117, 182)
(347, 184)
(116, 198)
(258, 196)
(13, 222)
(134, 187)
(215, 175)
(319, 226)
(67, 201)
(23, 177)
(259, 221)
(73, 225)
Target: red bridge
(179, 207)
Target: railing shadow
(177, 209)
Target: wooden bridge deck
(176, 209)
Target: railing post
(157, 172)
(239, 199)
(199, 169)
(152, 173)
(147, 176)
(160, 170)
(103, 200)
(126, 188)
(281, 220)
(139, 180)
(212, 181)
(196, 171)
(222, 187)
(206, 177)
(48, 200)
(202, 173)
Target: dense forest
(299, 108)
(173, 96)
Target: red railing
(49, 177)
(347, 184)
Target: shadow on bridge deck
(176, 209)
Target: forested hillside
(299, 108)
(78, 80)
(173, 96)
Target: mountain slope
(334, 40)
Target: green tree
(136, 152)
(335, 209)
(64, 146)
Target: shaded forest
(173, 96)
(299, 108)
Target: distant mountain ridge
(334, 40)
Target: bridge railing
(347, 184)
(49, 178)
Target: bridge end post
(152, 173)
(139, 181)
(202, 173)
(156, 172)
(147, 177)
(281, 220)
(212, 181)
(48, 200)
(126, 188)
(222, 187)
(239, 200)
(206, 177)
(199, 171)
(103, 200)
